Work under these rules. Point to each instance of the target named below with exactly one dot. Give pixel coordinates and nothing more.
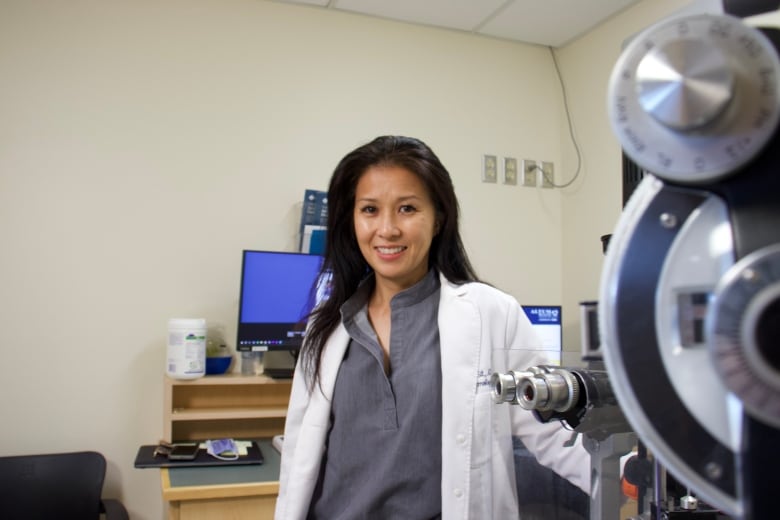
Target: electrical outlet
(529, 173)
(548, 177)
(510, 170)
(489, 168)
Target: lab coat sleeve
(544, 440)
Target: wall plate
(489, 168)
(548, 177)
(510, 170)
(529, 173)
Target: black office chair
(56, 486)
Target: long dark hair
(343, 259)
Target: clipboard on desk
(148, 457)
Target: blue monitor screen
(276, 298)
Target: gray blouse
(383, 452)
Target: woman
(391, 414)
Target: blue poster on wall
(547, 322)
(314, 220)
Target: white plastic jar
(186, 348)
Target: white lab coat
(481, 330)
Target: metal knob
(692, 99)
(684, 84)
(504, 387)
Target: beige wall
(144, 144)
(592, 204)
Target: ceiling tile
(543, 22)
(454, 14)
(321, 3)
(551, 22)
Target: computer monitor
(546, 321)
(278, 292)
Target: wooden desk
(220, 492)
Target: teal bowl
(218, 365)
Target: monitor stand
(279, 364)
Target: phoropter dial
(695, 98)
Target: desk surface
(220, 481)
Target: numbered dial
(693, 99)
(744, 325)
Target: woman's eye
(368, 209)
(407, 209)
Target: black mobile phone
(186, 451)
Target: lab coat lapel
(314, 427)
(459, 334)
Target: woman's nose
(388, 226)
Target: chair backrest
(57, 485)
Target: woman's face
(395, 222)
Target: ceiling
(543, 22)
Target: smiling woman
(391, 193)
(387, 415)
(395, 222)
